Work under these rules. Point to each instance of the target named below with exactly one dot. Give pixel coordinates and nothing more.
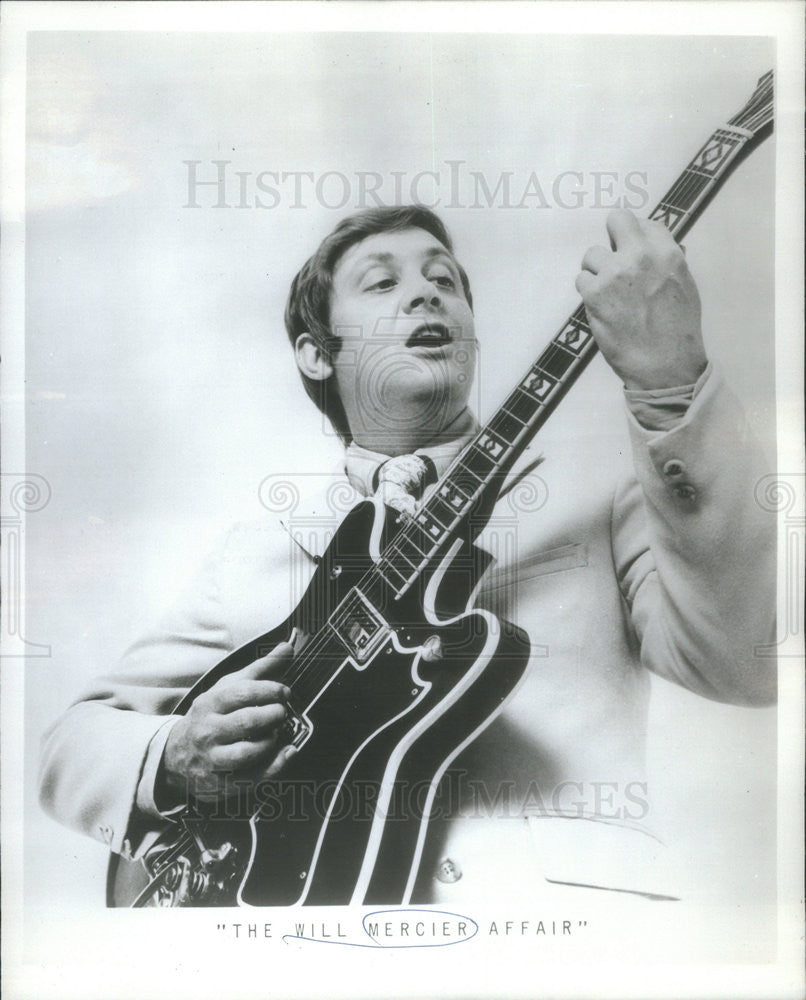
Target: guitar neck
(479, 468)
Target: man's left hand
(642, 305)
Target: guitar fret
(394, 587)
(414, 545)
(441, 511)
(509, 413)
(427, 546)
(687, 190)
(478, 462)
(493, 444)
(694, 173)
(469, 476)
(670, 208)
(465, 468)
(506, 426)
(576, 335)
(466, 485)
(556, 361)
(410, 550)
(429, 510)
(388, 566)
(670, 217)
(703, 171)
(453, 495)
(432, 527)
(538, 385)
(395, 547)
(521, 405)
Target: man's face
(408, 353)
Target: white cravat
(401, 481)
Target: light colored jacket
(619, 556)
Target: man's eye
(443, 280)
(381, 286)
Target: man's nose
(421, 293)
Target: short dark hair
(308, 306)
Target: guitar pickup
(296, 730)
(359, 625)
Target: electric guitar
(395, 671)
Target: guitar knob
(431, 649)
(212, 856)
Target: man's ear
(312, 361)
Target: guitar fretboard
(357, 624)
(502, 440)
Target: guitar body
(403, 685)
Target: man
(668, 568)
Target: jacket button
(685, 492)
(674, 468)
(448, 871)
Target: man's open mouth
(429, 335)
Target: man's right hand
(231, 734)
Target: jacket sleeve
(695, 552)
(100, 755)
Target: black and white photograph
(402, 500)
